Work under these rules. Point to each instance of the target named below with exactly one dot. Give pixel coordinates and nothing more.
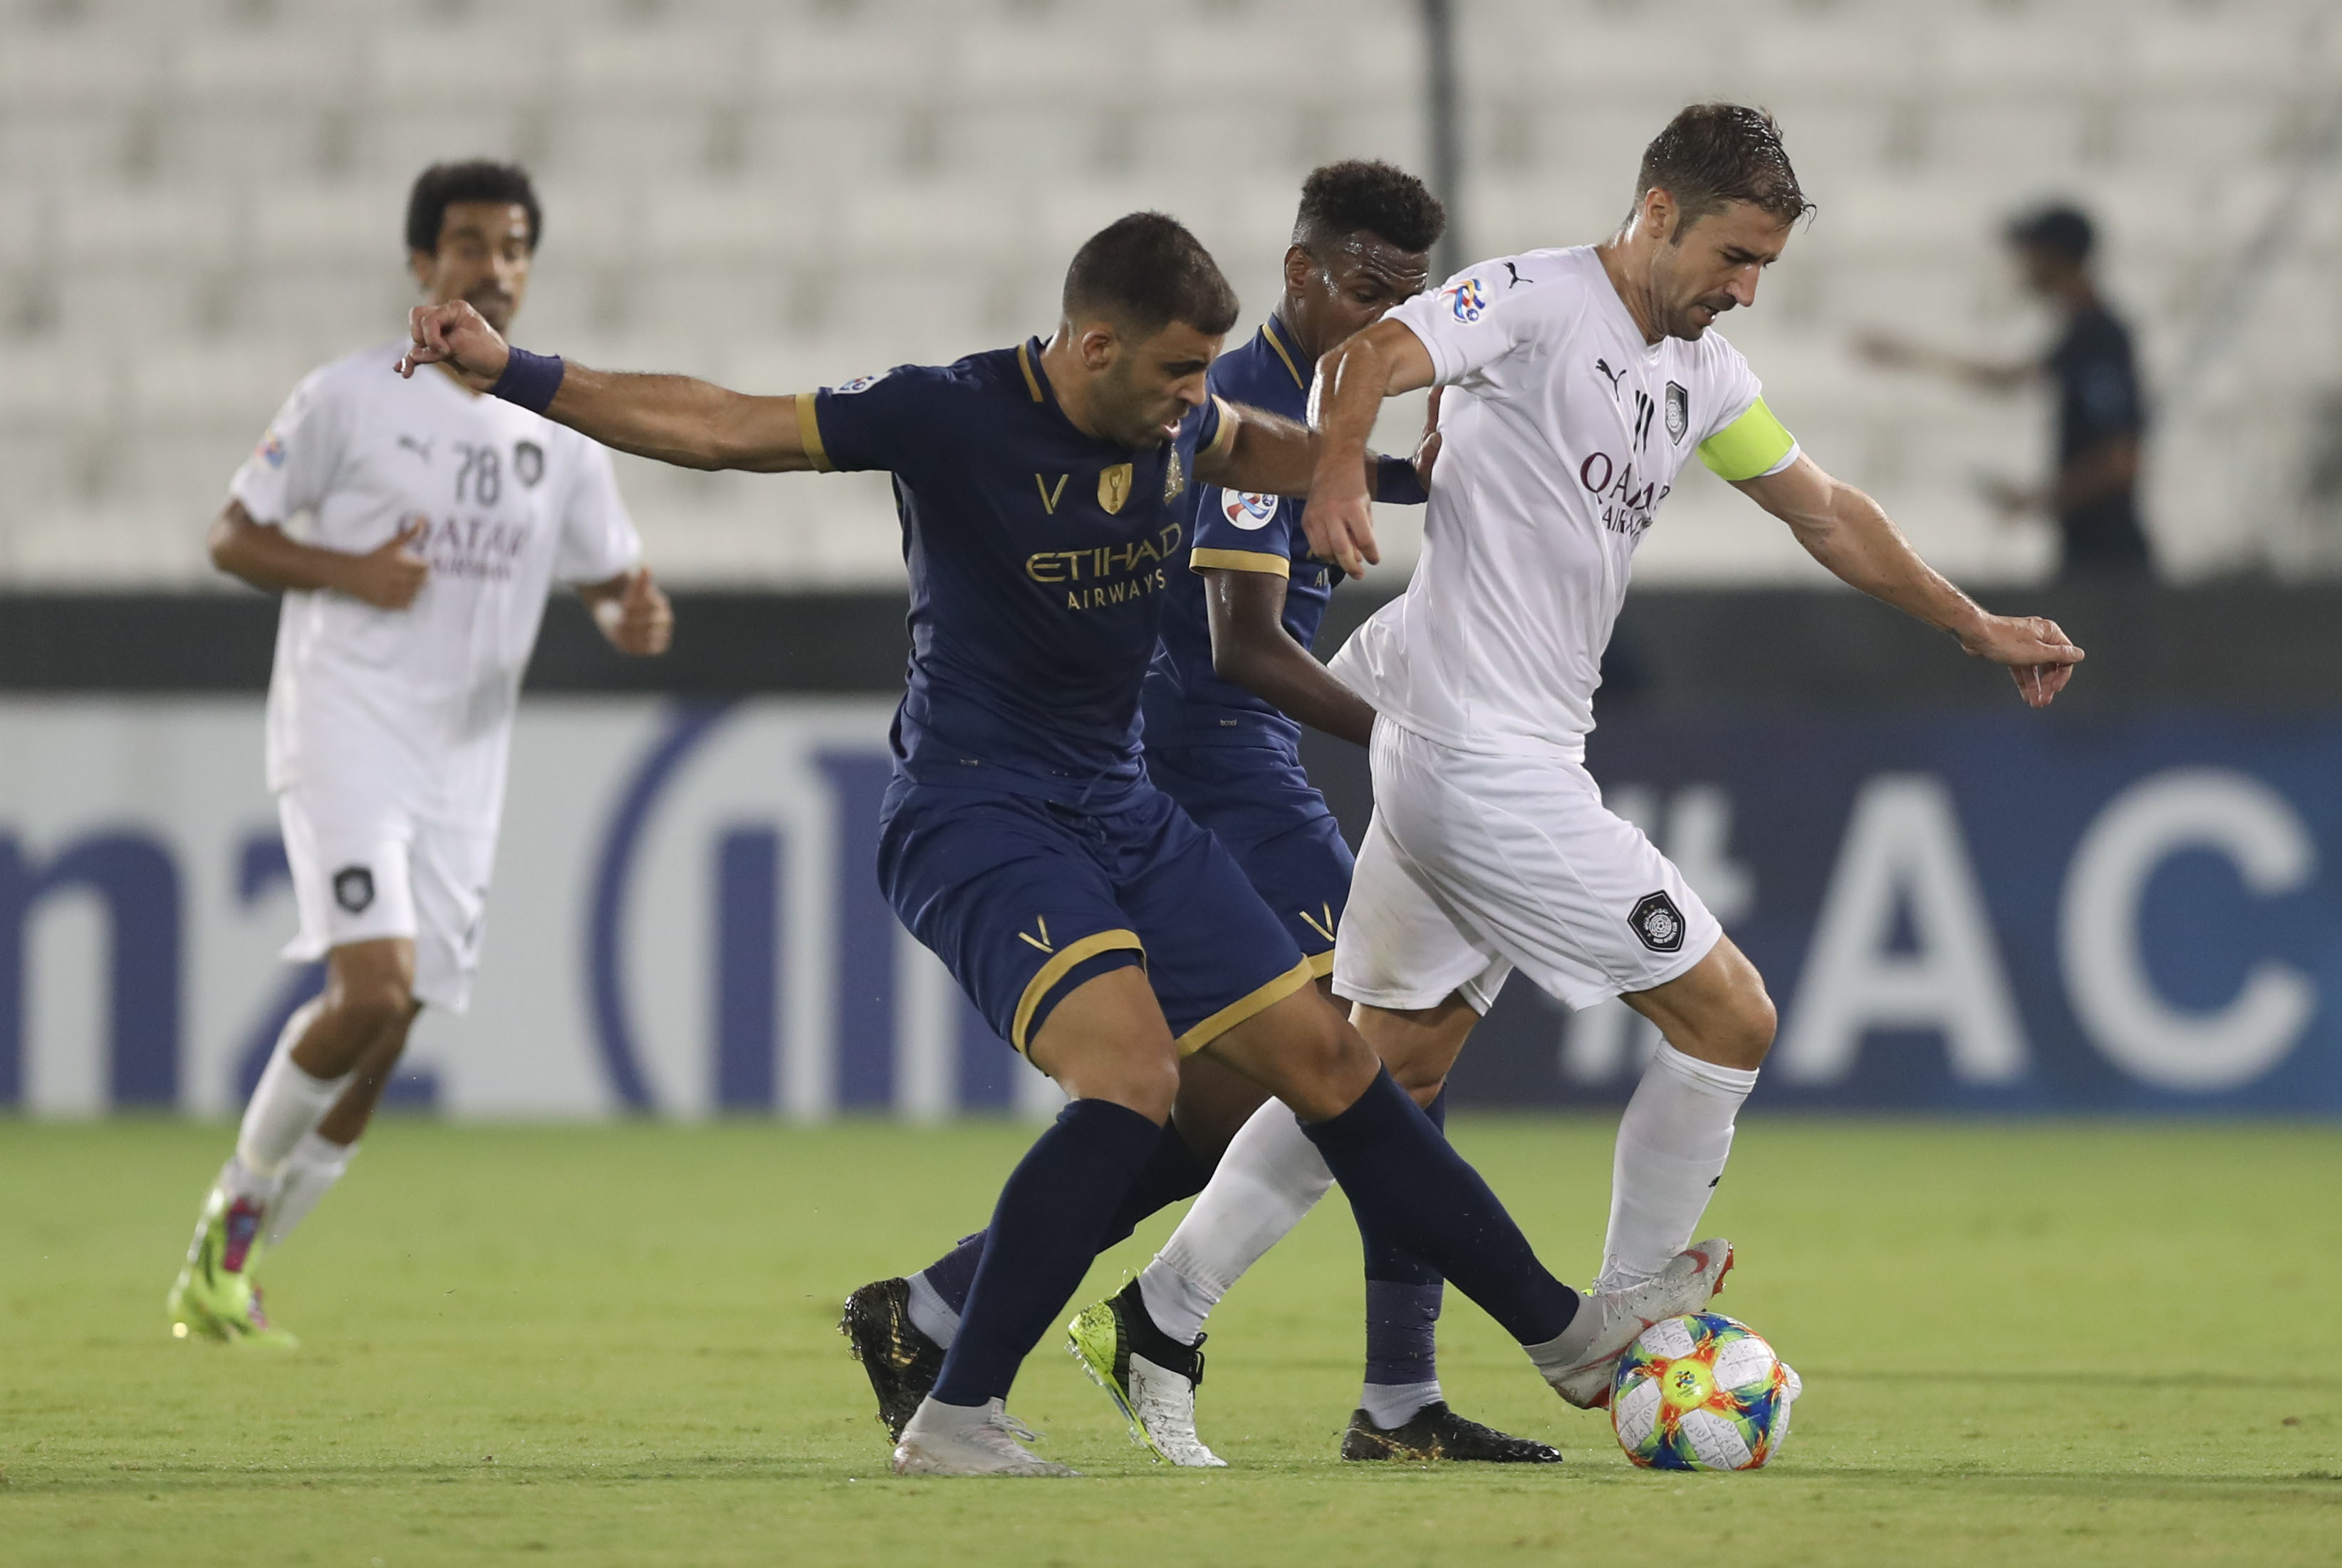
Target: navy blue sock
(1045, 1231)
(1399, 1172)
(1172, 1172)
(1403, 1298)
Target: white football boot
(1153, 1388)
(959, 1440)
(1580, 1363)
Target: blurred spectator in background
(2092, 496)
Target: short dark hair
(2060, 229)
(1713, 154)
(1361, 196)
(472, 180)
(1147, 271)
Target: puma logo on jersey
(418, 444)
(1516, 279)
(1614, 376)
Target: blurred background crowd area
(201, 199)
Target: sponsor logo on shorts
(354, 888)
(1248, 511)
(1659, 924)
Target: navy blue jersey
(1187, 704)
(1040, 561)
(2098, 401)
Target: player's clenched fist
(389, 575)
(637, 618)
(457, 336)
(2039, 655)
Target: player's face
(1713, 266)
(484, 258)
(1347, 290)
(1148, 385)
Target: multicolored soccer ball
(1703, 1392)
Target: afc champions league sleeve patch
(1248, 511)
(1678, 412)
(1464, 299)
(271, 450)
(354, 888)
(1659, 924)
(859, 384)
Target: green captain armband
(1752, 444)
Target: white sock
(285, 1103)
(1672, 1144)
(1391, 1404)
(310, 1173)
(1271, 1176)
(930, 1313)
(241, 1182)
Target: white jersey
(1562, 431)
(418, 703)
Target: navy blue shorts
(1257, 801)
(1024, 900)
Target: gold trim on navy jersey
(1240, 560)
(1024, 363)
(1321, 965)
(1251, 1004)
(809, 432)
(1055, 970)
(1268, 331)
(1225, 436)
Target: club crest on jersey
(1678, 412)
(859, 384)
(1174, 479)
(354, 888)
(271, 450)
(1245, 511)
(528, 462)
(1465, 299)
(1659, 924)
(1113, 487)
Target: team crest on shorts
(1659, 924)
(354, 888)
(1245, 511)
(1678, 411)
(1113, 487)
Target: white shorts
(364, 869)
(1477, 865)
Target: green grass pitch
(2020, 1342)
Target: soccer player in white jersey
(439, 519)
(1576, 383)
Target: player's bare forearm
(1851, 534)
(1271, 456)
(1353, 380)
(674, 419)
(1251, 647)
(387, 577)
(681, 420)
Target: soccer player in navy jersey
(1096, 927)
(1232, 684)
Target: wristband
(1396, 481)
(529, 379)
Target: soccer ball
(1702, 1391)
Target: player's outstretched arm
(1851, 534)
(1381, 362)
(388, 576)
(674, 419)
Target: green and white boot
(215, 1296)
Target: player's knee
(1147, 1082)
(1324, 1064)
(1747, 1030)
(373, 1005)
